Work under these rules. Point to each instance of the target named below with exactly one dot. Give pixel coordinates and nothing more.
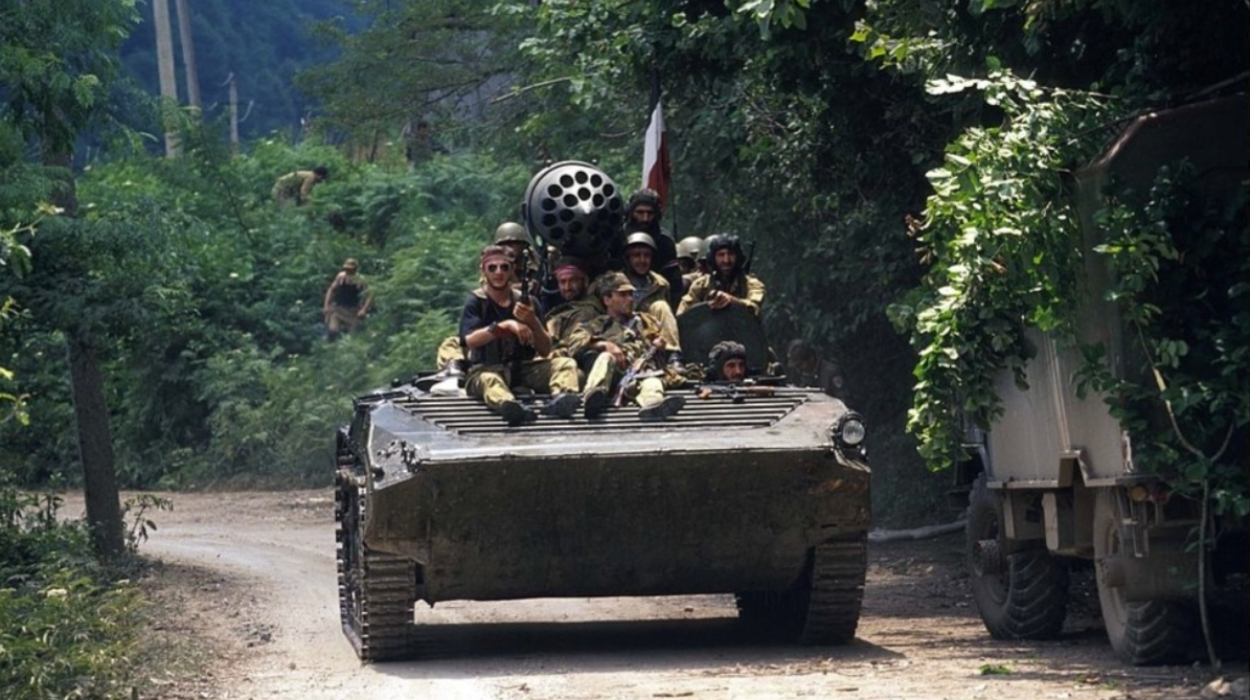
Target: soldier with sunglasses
(508, 347)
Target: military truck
(1054, 482)
(765, 496)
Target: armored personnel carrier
(765, 496)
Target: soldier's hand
(525, 314)
(523, 334)
(615, 351)
(719, 300)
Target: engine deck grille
(467, 416)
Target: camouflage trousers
(493, 383)
(605, 372)
(341, 318)
(448, 351)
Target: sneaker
(659, 411)
(595, 403)
(562, 405)
(514, 413)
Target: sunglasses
(501, 267)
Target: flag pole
(670, 213)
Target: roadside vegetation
(897, 165)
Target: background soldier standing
(346, 302)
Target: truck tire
(1142, 633)
(1023, 595)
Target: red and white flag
(656, 169)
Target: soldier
(689, 261)
(727, 362)
(449, 357)
(805, 367)
(575, 307)
(347, 301)
(651, 291)
(507, 346)
(728, 283)
(627, 342)
(298, 185)
(644, 213)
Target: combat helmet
(512, 232)
(640, 238)
(689, 247)
(721, 241)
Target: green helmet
(512, 232)
(689, 247)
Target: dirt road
(249, 582)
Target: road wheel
(1022, 595)
(1143, 633)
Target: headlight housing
(850, 430)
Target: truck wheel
(1142, 633)
(824, 607)
(376, 592)
(1022, 595)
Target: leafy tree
(57, 62)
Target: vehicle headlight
(850, 430)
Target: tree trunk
(95, 444)
(95, 447)
(165, 66)
(188, 54)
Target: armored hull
(438, 500)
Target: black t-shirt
(479, 312)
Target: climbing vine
(1181, 271)
(999, 238)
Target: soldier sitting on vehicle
(689, 261)
(728, 283)
(727, 362)
(507, 346)
(651, 290)
(805, 367)
(630, 349)
(576, 307)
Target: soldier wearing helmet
(644, 212)
(727, 284)
(689, 261)
(651, 291)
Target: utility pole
(234, 111)
(188, 54)
(165, 64)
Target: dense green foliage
(67, 628)
(228, 376)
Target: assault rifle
(737, 393)
(637, 369)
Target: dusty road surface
(248, 581)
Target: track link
(376, 591)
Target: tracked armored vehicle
(765, 497)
